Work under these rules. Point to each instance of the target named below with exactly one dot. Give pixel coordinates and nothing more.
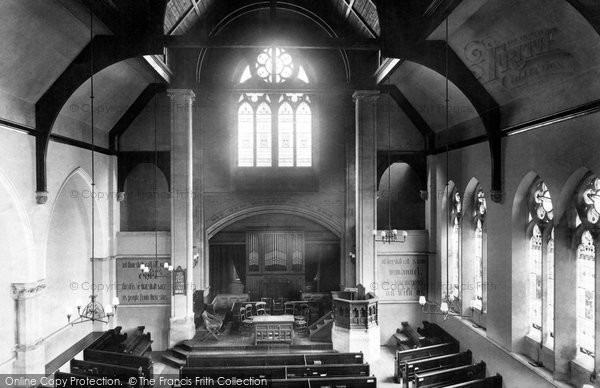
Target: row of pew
(430, 358)
(314, 370)
(113, 357)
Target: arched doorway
(243, 257)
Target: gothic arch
(332, 223)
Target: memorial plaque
(135, 287)
(401, 277)
(179, 281)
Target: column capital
(28, 290)
(367, 95)
(181, 95)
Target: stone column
(348, 272)
(30, 347)
(366, 184)
(182, 238)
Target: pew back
(434, 363)
(421, 353)
(450, 376)
(282, 359)
(277, 371)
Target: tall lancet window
(454, 250)
(274, 126)
(479, 212)
(588, 220)
(540, 284)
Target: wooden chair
(246, 323)
(213, 324)
(278, 307)
(261, 308)
(248, 308)
(269, 306)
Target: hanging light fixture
(94, 311)
(446, 302)
(390, 235)
(155, 269)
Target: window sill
(544, 373)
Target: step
(173, 361)
(180, 352)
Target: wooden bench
(116, 358)
(420, 353)
(139, 345)
(433, 363)
(280, 359)
(110, 340)
(450, 376)
(435, 333)
(323, 382)
(277, 371)
(109, 370)
(488, 382)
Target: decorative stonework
(28, 290)
(181, 94)
(366, 95)
(41, 197)
(496, 196)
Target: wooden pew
(139, 345)
(110, 340)
(445, 377)
(75, 380)
(109, 370)
(488, 382)
(324, 382)
(420, 353)
(281, 359)
(435, 333)
(116, 358)
(433, 363)
(277, 371)
(409, 337)
(332, 382)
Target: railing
(355, 314)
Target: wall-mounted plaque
(401, 277)
(179, 281)
(135, 287)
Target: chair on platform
(261, 308)
(278, 308)
(246, 323)
(249, 311)
(213, 324)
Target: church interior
(311, 193)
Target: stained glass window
(535, 282)
(278, 118)
(550, 287)
(479, 212)
(286, 135)
(454, 250)
(588, 205)
(540, 261)
(586, 258)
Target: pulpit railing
(355, 314)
